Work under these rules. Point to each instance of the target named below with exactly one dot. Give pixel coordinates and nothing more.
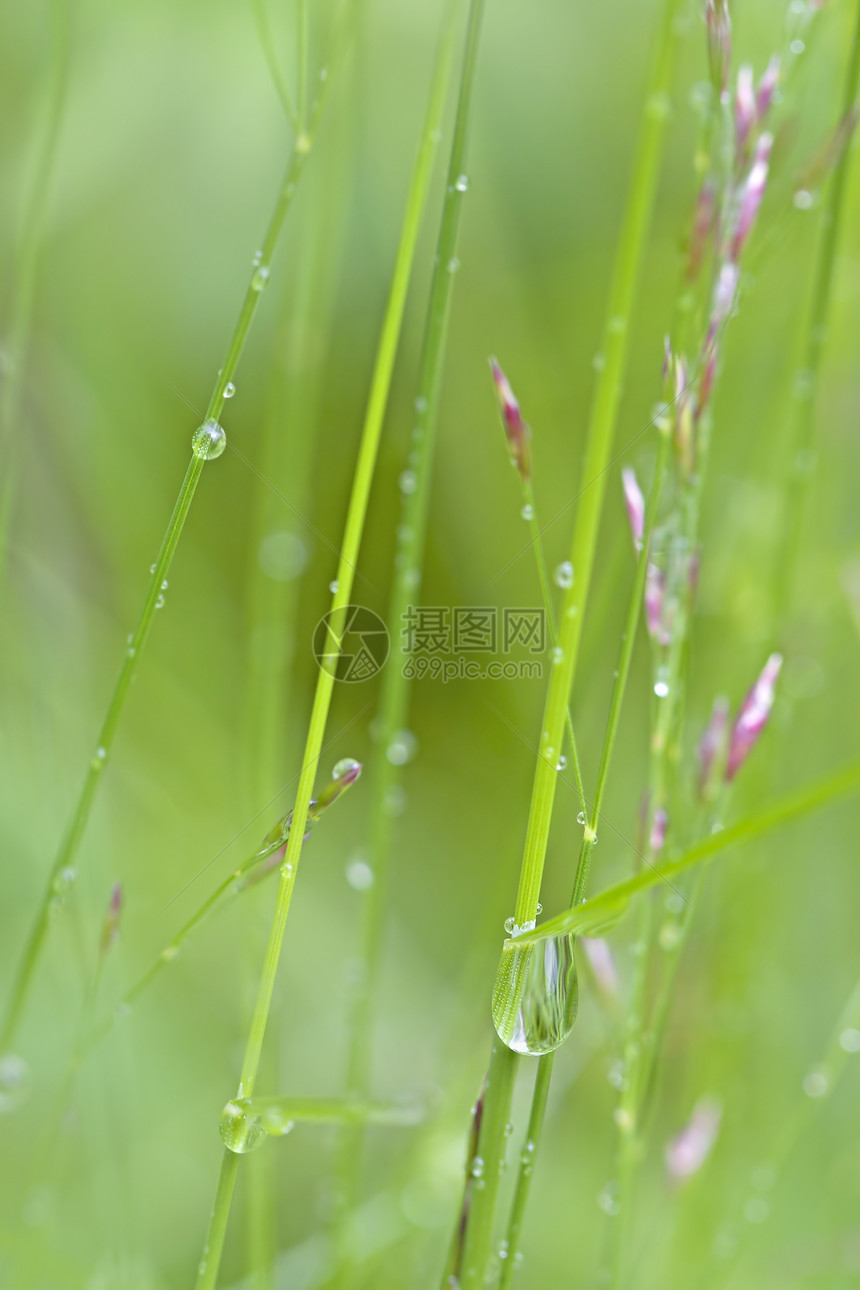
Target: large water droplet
(241, 1131)
(564, 574)
(536, 995)
(209, 440)
(14, 1082)
(344, 767)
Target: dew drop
(510, 926)
(402, 748)
(528, 512)
(815, 1084)
(160, 602)
(14, 1082)
(797, 47)
(241, 1131)
(229, 390)
(561, 763)
(453, 264)
(462, 183)
(260, 279)
(557, 654)
(849, 1040)
(661, 687)
(420, 404)
(333, 586)
(209, 441)
(536, 996)
(359, 874)
(477, 1167)
(581, 818)
(564, 575)
(802, 200)
(408, 481)
(345, 766)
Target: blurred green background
(171, 147)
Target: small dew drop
(408, 481)
(561, 763)
(849, 1040)
(564, 575)
(402, 748)
(557, 654)
(581, 818)
(229, 390)
(477, 1167)
(797, 47)
(260, 279)
(359, 874)
(661, 689)
(510, 926)
(160, 602)
(453, 264)
(815, 1084)
(528, 512)
(208, 442)
(14, 1082)
(240, 1131)
(333, 586)
(462, 183)
(802, 200)
(420, 404)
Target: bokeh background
(170, 150)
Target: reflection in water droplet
(240, 1131)
(14, 1082)
(536, 995)
(344, 767)
(564, 574)
(229, 390)
(209, 441)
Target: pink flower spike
(719, 29)
(752, 717)
(767, 87)
(602, 964)
(724, 298)
(752, 194)
(635, 503)
(745, 106)
(688, 1150)
(713, 740)
(654, 590)
(658, 832)
(516, 430)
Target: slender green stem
(637, 219)
(264, 27)
(354, 527)
(66, 856)
(589, 837)
(806, 388)
(394, 699)
(302, 60)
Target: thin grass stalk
(354, 527)
(27, 263)
(601, 426)
(522, 1187)
(66, 856)
(394, 698)
(807, 381)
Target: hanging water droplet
(402, 748)
(62, 886)
(408, 481)
(260, 278)
(462, 183)
(453, 264)
(208, 441)
(661, 684)
(561, 763)
(346, 766)
(477, 1167)
(582, 818)
(510, 925)
(152, 569)
(160, 602)
(229, 390)
(536, 995)
(528, 512)
(333, 586)
(359, 874)
(14, 1082)
(564, 575)
(240, 1130)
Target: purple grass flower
(602, 964)
(724, 298)
(719, 29)
(635, 504)
(752, 194)
(712, 743)
(745, 106)
(703, 222)
(658, 832)
(110, 926)
(655, 588)
(688, 1150)
(767, 87)
(516, 430)
(752, 717)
